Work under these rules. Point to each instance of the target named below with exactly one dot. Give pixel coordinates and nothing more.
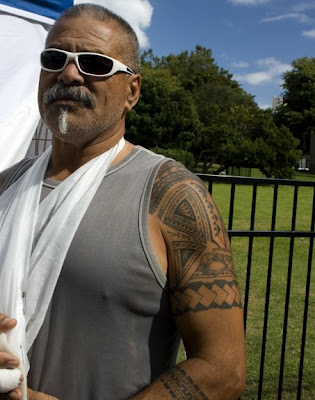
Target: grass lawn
(255, 317)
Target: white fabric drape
(34, 240)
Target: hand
(8, 360)
(31, 395)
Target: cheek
(40, 96)
(42, 87)
(109, 93)
(46, 81)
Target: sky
(255, 40)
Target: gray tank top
(109, 331)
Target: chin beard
(62, 121)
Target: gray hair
(129, 44)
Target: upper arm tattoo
(202, 274)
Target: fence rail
(272, 233)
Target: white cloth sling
(34, 240)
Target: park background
(193, 110)
(210, 71)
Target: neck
(67, 158)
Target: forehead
(85, 33)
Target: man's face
(103, 115)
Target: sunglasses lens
(53, 60)
(94, 64)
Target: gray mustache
(75, 93)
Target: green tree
(188, 104)
(195, 68)
(298, 110)
(166, 115)
(249, 137)
(276, 153)
(214, 99)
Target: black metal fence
(292, 234)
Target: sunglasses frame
(117, 65)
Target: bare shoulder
(170, 175)
(201, 272)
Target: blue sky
(255, 40)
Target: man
(150, 261)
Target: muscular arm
(204, 294)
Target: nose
(70, 75)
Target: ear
(133, 91)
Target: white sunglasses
(93, 64)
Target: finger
(14, 395)
(6, 323)
(7, 360)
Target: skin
(194, 251)
(185, 227)
(10, 361)
(91, 131)
(7, 360)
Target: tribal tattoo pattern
(202, 274)
(180, 385)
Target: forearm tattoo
(180, 385)
(202, 275)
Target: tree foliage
(166, 115)
(190, 105)
(298, 110)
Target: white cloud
(264, 106)
(270, 72)
(304, 6)
(248, 2)
(137, 12)
(240, 64)
(299, 17)
(309, 34)
(274, 66)
(254, 78)
(267, 61)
